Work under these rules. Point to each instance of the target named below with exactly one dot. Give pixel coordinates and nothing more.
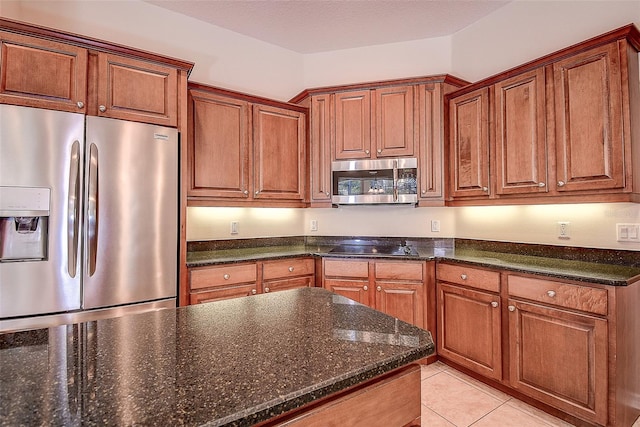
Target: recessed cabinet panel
(521, 159)
(469, 115)
(402, 301)
(320, 143)
(220, 140)
(430, 141)
(394, 122)
(132, 89)
(41, 73)
(590, 147)
(353, 125)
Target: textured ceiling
(309, 26)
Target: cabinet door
(403, 301)
(286, 284)
(353, 125)
(357, 290)
(394, 123)
(589, 121)
(219, 141)
(430, 141)
(559, 358)
(469, 144)
(469, 329)
(279, 153)
(521, 151)
(132, 89)
(41, 73)
(320, 156)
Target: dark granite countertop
(234, 362)
(585, 265)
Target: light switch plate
(628, 232)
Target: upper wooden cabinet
(393, 118)
(49, 69)
(561, 129)
(243, 151)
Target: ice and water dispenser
(24, 221)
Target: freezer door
(43, 150)
(131, 207)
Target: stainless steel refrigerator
(88, 217)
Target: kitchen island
(236, 362)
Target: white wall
(223, 58)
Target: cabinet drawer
(469, 276)
(399, 270)
(342, 268)
(283, 285)
(584, 298)
(223, 275)
(287, 268)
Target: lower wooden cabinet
(218, 282)
(397, 288)
(570, 345)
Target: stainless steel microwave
(381, 181)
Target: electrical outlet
(563, 230)
(435, 226)
(314, 225)
(234, 227)
(628, 232)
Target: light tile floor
(453, 399)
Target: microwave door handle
(395, 180)
(73, 207)
(92, 210)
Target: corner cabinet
(243, 152)
(560, 129)
(397, 288)
(53, 70)
(392, 118)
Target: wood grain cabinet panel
(469, 144)
(394, 121)
(219, 137)
(320, 148)
(352, 125)
(279, 139)
(521, 151)
(560, 358)
(590, 146)
(41, 73)
(132, 89)
(429, 144)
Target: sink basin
(374, 250)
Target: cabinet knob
(379, 288)
(267, 289)
(379, 150)
(512, 308)
(551, 294)
(541, 184)
(226, 277)
(485, 189)
(102, 108)
(365, 287)
(463, 276)
(245, 192)
(291, 269)
(253, 291)
(327, 193)
(366, 151)
(80, 104)
(561, 183)
(257, 192)
(494, 304)
(424, 191)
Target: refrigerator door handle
(92, 210)
(73, 207)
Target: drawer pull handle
(494, 304)
(512, 308)
(267, 289)
(463, 276)
(226, 277)
(253, 292)
(551, 294)
(365, 287)
(291, 269)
